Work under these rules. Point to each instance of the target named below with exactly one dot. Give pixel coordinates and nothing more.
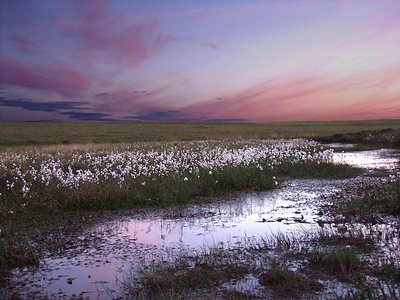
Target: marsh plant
(148, 174)
(286, 283)
(369, 199)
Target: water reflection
(387, 159)
(251, 214)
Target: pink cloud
(114, 38)
(370, 95)
(61, 79)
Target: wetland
(203, 219)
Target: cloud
(176, 115)
(129, 100)
(59, 107)
(369, 95)
(88, 116)
(87, 44)
(102, 94)
(114, 38)
(58, 78)
(40, 106)
(158, 116)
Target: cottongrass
(130, 169)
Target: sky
(226, 60)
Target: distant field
(32, 133)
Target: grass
(388, 137)
(279, 241)
(377, 291)
(54, 205)
(388, 272)
(49, 133)
(146, 175)
(286, 283)
(212, 275)
(321, 170)
(188, 274)
(162, 191)
(355, 239)
(368, 199)
(340, 260)
(25, 236)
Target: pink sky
(181, 60)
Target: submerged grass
(388, 272)
(286, 283)
(340, 260)
(351, 238)
(214, 274)
(379, 291)
(369, 198)
(187, 275)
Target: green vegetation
(388, 272)
(286, 283)
(341, 260)
(368, 199)
(188, 274)
(49, 205)
(353, 238)
(373, 292)
(47, 218)
(26, 234)
(388, 137)
(319, 171)
(213, 274)
(23, 134)
(162, 191)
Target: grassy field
(21, 134)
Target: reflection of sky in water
(375, 159)
(127, 243)
(235, 219)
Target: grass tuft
(188, 274)
(364, 201)
(374, 292)
(355, 239)
(287, 283)
(340, 260)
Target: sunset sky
(227, 60)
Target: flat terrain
(35, 133)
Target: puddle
(105, 253)
(340, 145)
(383, 159)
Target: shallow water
(104, 254)
(382, 159)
